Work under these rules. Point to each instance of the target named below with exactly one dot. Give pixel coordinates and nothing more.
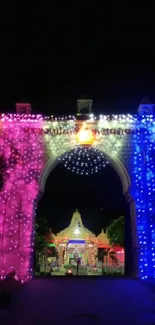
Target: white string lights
(84, 160)
(27, 142)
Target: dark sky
(99, 198)
(51, 55)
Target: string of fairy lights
(84, 160)
(26, 142)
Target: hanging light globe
(84, 160)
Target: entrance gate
(31, 146)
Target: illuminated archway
(122, 172)
(115, 163)
(30, 146)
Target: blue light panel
(76, 241)
(143, 192)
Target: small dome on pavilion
(76, 217)
(102, 237)
(76, 214)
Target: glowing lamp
(85, 137)
(77, 231)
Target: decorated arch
(30, 148)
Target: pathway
(79, 301)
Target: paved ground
(79, 301)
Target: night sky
(52, 55)
(98, 198)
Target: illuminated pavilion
(76, 241)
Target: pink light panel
(22, 160)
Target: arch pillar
(132, 249)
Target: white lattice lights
(84, 160)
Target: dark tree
(40, 241)
(115, 232)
